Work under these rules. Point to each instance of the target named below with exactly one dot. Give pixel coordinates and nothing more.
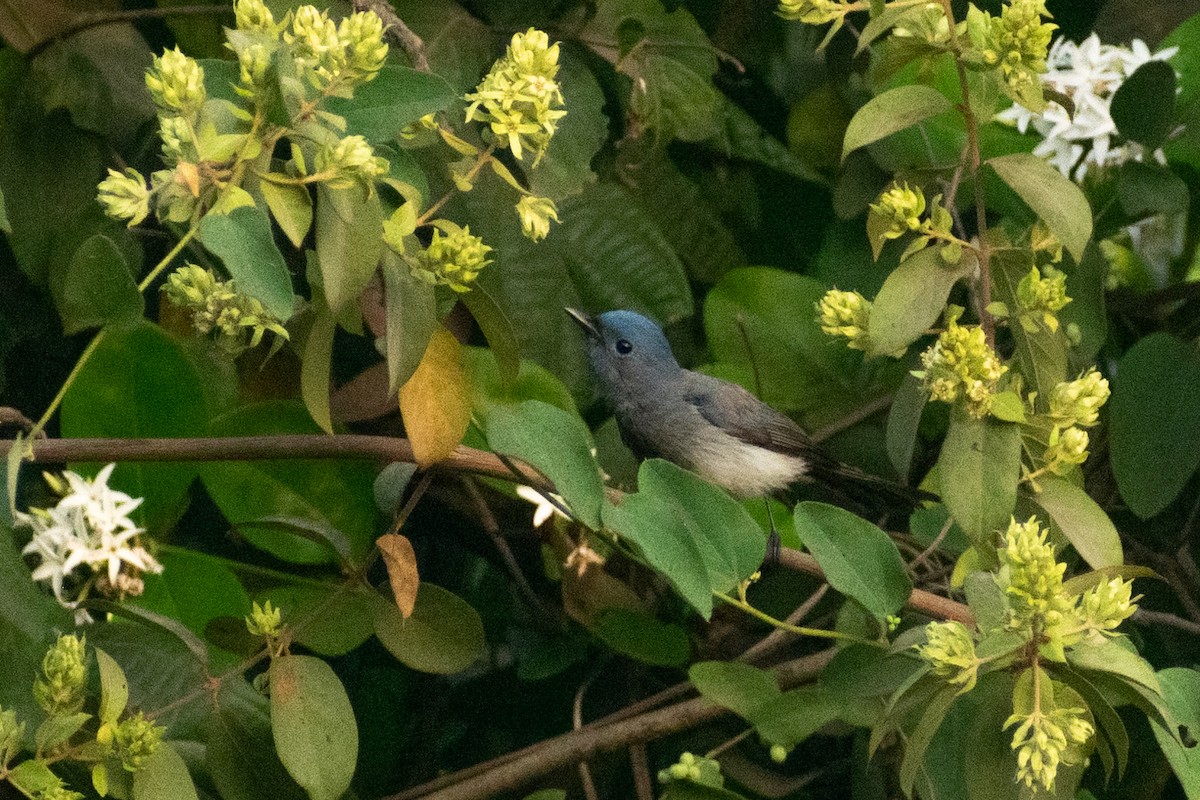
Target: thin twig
(778, 637)
(924, 555)
(585, 772)
(1148, 617)
(640, 764)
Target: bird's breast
(742, 469)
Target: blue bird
(711, 427)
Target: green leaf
(533, 383)
(242, 240)
(1143, 107)
(154, 621)
(912, 299)
(1108, 721)
(566, 169)
(240, 754)
(859, 559)
(291, 206)
(316, 364)
(337, 494)
(32, 777)
(892, 111)
(744, 137)
(411, 319)
(691, 531)
(1181, 690)
(1007, 406)
(313, 530)
(978, 470)
(336, 621)
(903, 422)
(140, 383)
(349, 240)
(642, 637)
(398, 96)
(741, 688)
(164, 776)
(1111, 657)
(1054, 198)
(498, 330)
(97, 288)
(195, 588)
(443, 635)
(1145, 189)
(313, 725)
(796, 715)
(58, 729)
(114, 689)
(1085, 525)
(558, 445)
(1155, 432)
(918, 741)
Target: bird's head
(626, 349)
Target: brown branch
(397, 31)
(587, 742)
(928, 603)
(1148, 617)
(89, 21)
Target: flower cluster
(1045, 739)
(135, 739)
(1105, 606)
(961, 364)
(696, 769)
(845, 314)
(1074, 405)
(264, 620)
(520, 97)
(176, 84)
(1089, 74)
(812, 12)
(348, 161)
(239, 320)
(124, 196)
(352, 52)
(1065, 449)
(950, 652)
(1041, 295)
(89, 527)
(1016, 42)
(12, 734)
(253, 16)
(1032, 579)
(61, 686)
(927, 22)
(535, 214)
(453, 258)
(899, 208)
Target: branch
(577, 746)
(396, 30)
(88, 21)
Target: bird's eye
(624, 347)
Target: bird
(714, 428)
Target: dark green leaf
(1108, 721)
(498, 330)
(566, 168)
(912, 299)
(242, 240)
(691, 531)
(1155, 432)
(892, 111)
(329, 621)
(97, 288)
(194, 588)
(796, 715)
(349, 239)
(1147, 188)
(1143, 107)
(444, 635)
(411, 319)
(642, 637)
(743, 137)
(164, 776)
(398, 96)
(291, 206)
(313, 725)
(978, 470)
(739, 687)
(533, 383)
(558, 445)
(240, 755)
(904, 418)
(313, 530)
(1181, 690)
(1054, 198)
(918, 741)
(1111, 657)
(114, 689)
(140, 383)
(1085, 525)
(316, 364)
(859, 559)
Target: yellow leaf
(436, 400)
(401, 562)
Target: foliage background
(712, 203)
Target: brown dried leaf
(401, 562)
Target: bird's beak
(586, 321)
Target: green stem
(168, 258)
(62, 392)
(796, 629)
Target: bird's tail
(871, 492)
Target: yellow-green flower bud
(349, 161)
(136, 739)
(1042, 297)
(520, 97)
(176, 82)
(1123, 266)
(950, 652)
(845, 314)
(779, 753)
(1067, 447)
(254, 62)
(812, 12)
(264, 620)
(361, 34)
(177, 139)
(454, 257)
(1106, 605)
(1044, 740)
(535, 214)
(125, 196)
(315, 43)
(12, 733)
(927, 23)
(239, 320)
(1032, 579)
(1078, 402)
(60, 688)
(960, 364)
(253, 16)
(58, 791)
(1017, 41)
(901, 206)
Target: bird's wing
(744, 416)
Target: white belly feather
(744, 470)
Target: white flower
(89, 527)
(545, 507)
(1089, 73)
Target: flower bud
(254, 62)
(253, 16)
(453, 258)
(315, 43)
(961, 364)
(136, 739)
(845, 314)
(361, 34)
(264, 620)
(535, 214)
(60, 689)
(239, 320)
(950, 652)
(176, 82)
(349, 161)
(901, 207)
(811, 12)
(1067, 447)
(1078, 402)
(1106, 605)
(125, 196)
